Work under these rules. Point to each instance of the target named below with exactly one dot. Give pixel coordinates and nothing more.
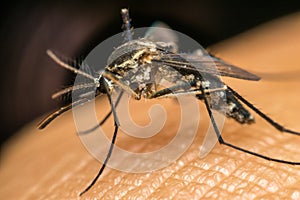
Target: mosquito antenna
(68, 67)
(221, 141)
(117, 124)
(264, 116)
(126, 24)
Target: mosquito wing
(204, 63)
(161, 32)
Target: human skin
(53, 163)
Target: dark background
(28, 77)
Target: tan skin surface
(53, 164)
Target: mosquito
(144, 64)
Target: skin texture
(53, 163)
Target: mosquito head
(100, 83)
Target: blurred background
(28, 77)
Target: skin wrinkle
(133, 187)
(166, 179)
(216, 185)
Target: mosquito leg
(264, 116)
(71, 89)
(221, 141)
(117, 124)
(170, 90)
(105, 118)
(182, 93)
(108, 114)
(192, 92)
(120, 83)
(60, 111)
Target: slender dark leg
(221, 141)
(105, 118)
(117, 124)
(60, 111)
(264, 116)
(169, 90)
(173, 91)
(71, 89)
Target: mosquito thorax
(124, 64)
(131, 55)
